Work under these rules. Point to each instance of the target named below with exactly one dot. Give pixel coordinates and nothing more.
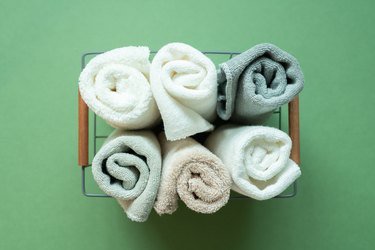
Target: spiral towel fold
(257, 158)
(184, 84)
(128, 168)
(115, 86)
(255, 83)
(193, 173)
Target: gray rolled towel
(256, 82)
(128, 167)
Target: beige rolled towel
(193, 173)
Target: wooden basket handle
(83, 133)
(293, 111)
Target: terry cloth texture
(257, 158)
(184, 84)
(128, 167)
(193, 173)
(115, 86)
(256, 82)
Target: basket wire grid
(83, 146)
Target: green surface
(40, 46)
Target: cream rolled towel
(184, 84)
(128, 167)
(115, 86)
(257, 158)
(193, 173)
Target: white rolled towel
(115, 86)
(184, 84)
(257, 158)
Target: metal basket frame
(83, 133)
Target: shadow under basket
(93, 127)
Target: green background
(41, 43)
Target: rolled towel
(255, 83)
(257, 158)
(184, 84)
(193, 173)
(128, 167)
(115, 86)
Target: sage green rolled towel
(128, 168)
(256, 82)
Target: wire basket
(87, 119)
